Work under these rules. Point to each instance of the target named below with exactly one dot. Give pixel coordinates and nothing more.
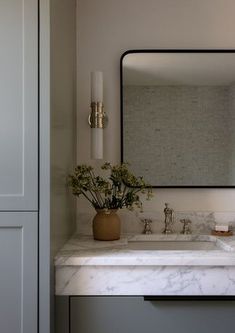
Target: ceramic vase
(106, 225)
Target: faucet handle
(147, 226)
(186, 226)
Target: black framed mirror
(178, 116)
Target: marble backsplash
(202, 222)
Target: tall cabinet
(18, 166)
(37, 151)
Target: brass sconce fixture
(97, 118)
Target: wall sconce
(97, 118)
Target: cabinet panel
(18, 276)
(134, 315)
(18, 104)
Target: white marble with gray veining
(142, 280)
(88, 267)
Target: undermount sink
(170, 244)
(173, 245)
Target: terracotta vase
(106, 225)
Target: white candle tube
(96, 86)
(96, 143)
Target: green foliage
(120, 188)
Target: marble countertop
(84, 251)
(88, 267)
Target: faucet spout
(169, 219)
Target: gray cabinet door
(18, 104)
(134, 315)
(18, 274)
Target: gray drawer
(134, 315)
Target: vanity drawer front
(134, 315)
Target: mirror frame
(122, 107)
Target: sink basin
(173, 245)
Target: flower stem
(97, 194)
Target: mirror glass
(178, 117)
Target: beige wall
(63, 118)
(107, 28)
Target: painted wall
(107, 28)
(63, 118)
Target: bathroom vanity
(154, 264)
(128, 280)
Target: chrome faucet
(169, 219)
(147, 226)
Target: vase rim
(106, 210)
